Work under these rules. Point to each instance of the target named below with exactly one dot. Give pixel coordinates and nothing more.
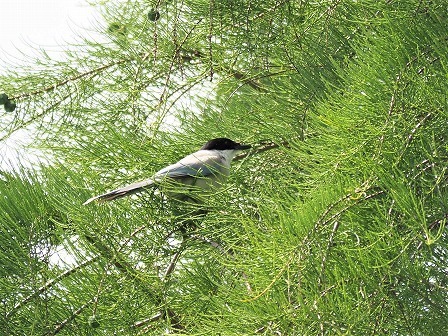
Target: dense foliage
(335, 223)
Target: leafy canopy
(333, 224)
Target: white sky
(26, 25)
(40, 23)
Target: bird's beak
(242, 147)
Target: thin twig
(172, 265)
(262, 148)
(34, 118)
(151, 319)
(410, 136)
(77, 312)
(48, 285)
(324, 258)
(162, 98)
(122, 266)
(71, 79)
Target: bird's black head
(224, 144)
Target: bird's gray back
(202, 163)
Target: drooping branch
(95, 71)
(48, 285)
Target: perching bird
(204, 170)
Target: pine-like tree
(334, 224)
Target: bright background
(29, 24)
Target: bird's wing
(199, 164)
(194, 165)
(121, 192)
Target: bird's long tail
(121, 192)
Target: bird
(204, 170)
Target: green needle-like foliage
(333, 224)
